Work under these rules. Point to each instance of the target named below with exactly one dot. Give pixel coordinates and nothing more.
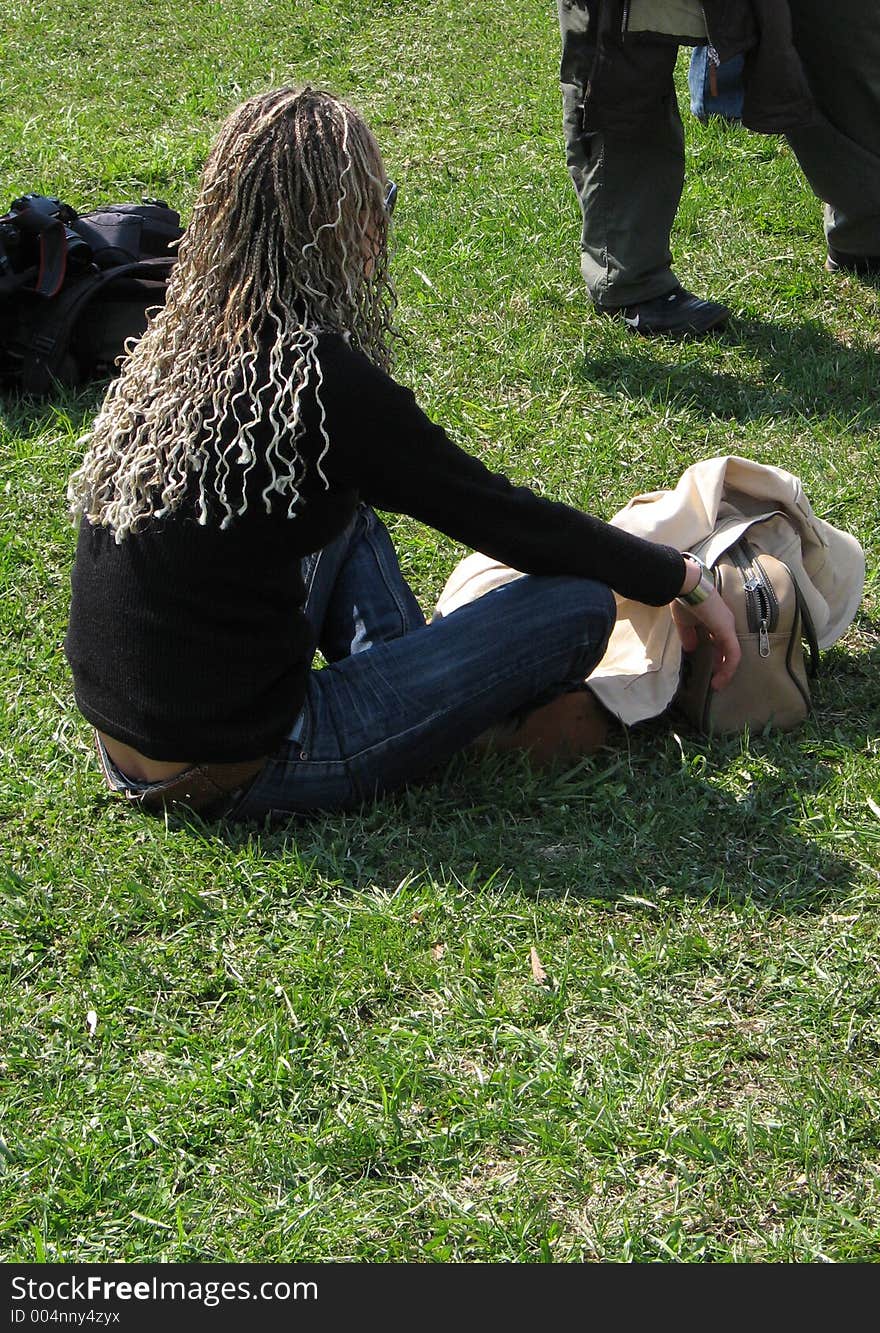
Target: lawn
(622, 1012)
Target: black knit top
(189, 642)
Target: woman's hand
(714, 617)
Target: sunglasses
(390, 197)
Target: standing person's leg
(389, 714)
(839, 46)
(628, 178)
(625, 155)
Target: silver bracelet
(704, 588)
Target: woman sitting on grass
(227, 527)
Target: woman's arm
(386, 448)
(399, 460)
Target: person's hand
(714, 618)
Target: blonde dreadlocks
(289, 208)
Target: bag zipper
(762, 606)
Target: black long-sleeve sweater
(189, 642)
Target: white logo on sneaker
(632, 321)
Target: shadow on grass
(660, 816)
(803, 370)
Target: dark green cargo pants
(627, 161)
(839, 45)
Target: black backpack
(74, 287)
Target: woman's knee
(586, 602)
(579, 613)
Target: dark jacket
(776, 96)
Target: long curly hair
(288, 238)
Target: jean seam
(391, 585)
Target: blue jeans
(728, 101)
(398, 697)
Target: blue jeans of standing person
(398, 697)
(727, 100)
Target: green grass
(326, 1041)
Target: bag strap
(51, 267)
(809, 630)
(50, 336)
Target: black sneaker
(839, 262)
(678, 314)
